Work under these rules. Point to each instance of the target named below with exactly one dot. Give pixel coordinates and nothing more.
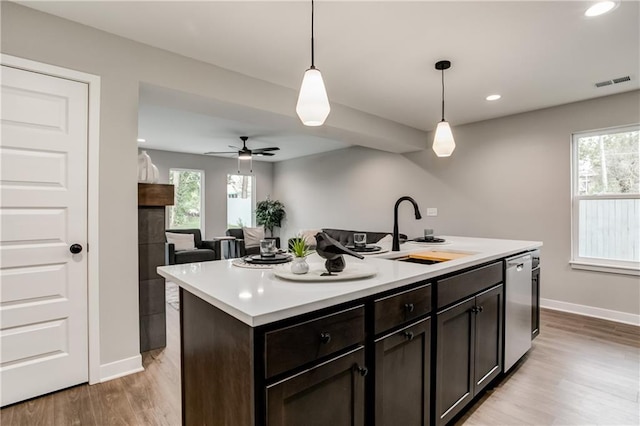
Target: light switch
(432, 211)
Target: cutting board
(437, 255)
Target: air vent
(621, 79)
(614, 81)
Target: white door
(43, 211)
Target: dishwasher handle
(518, 262)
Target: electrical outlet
(432, 211)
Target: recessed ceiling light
(141, 140)
(493, 97)
(600, 8)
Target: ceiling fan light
(244, 156)
(443, 143)
(313, 104)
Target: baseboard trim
(590, 311)
(122, 367)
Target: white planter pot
(299, 265)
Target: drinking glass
(267, 248)
(359, 239)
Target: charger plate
(369, 248)
(353, 271)
(241, 263)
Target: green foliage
(609, 163)
(186, 211)
(299, 247)
(270, 213)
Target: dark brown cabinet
(488, 342)
(469, 350)
(309, 341)
(330, 394)
(535, 302)
(402, 376)
(313, 369)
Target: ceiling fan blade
(263, 154)
(234, 147)
(271, 148)
(221, 152)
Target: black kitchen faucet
(396, 237)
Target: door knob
(75, 248)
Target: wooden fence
(610, 229)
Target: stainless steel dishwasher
(517, 336)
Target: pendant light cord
(443, 95)
(312, 48)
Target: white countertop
(256, 297)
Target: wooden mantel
(155, 194)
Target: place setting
(360, 245)
(269, 256)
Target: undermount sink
(414, 260)
(432, 256)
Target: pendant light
(443, 143)
(313, 103)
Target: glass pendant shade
(245, 165)
(443, 143)
(313, 104)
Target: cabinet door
(454, 363)
(488, 342)
(535, 303)
(330, 394)
(402, 379)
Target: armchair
(241, 249)
(204, 251)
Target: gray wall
(216, 170)
(508, 178)
(122, 65)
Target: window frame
(253, 197)
(202, 200)
(593, 263)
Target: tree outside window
(187, 212)
(240, 201)
(606, 198)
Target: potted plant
(300, 251)
(270, 214)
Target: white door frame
(93, 145)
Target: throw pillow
(252, 236)
(309, 235)
(181, 241)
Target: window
(606, 200)
(188, 208)
(240, 202)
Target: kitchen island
(411, 345)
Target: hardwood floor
(151, 397)
(579, 371)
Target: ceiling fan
(245, 153)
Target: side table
(231, 242)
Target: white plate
(364, 253)
(352, 271)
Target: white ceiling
(175, 121)
(379, 57)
